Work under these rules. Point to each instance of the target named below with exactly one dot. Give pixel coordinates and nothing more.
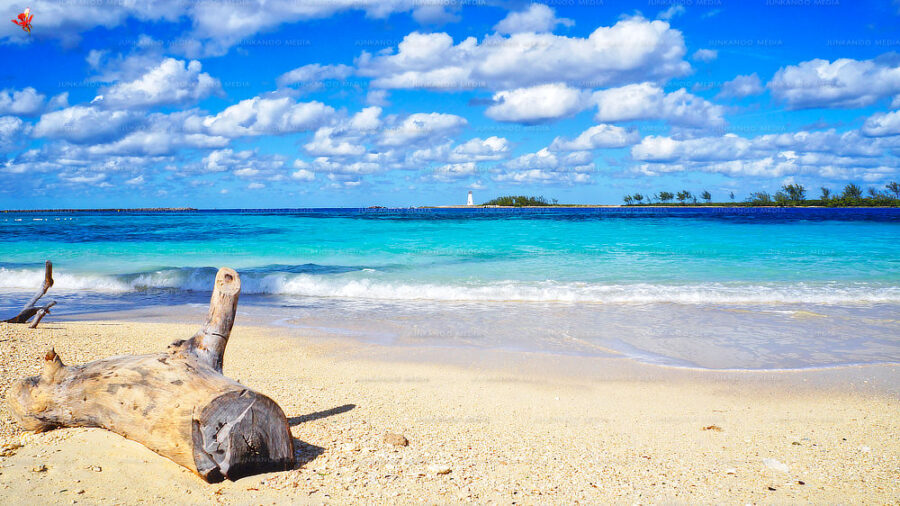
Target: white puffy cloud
(882, 124)
(473, 150)
(422, 126)
(481, 150)
(247, 164)
(844, 82)
(24, 102)
(216, 26)
(86, 124)
(633, 49)
(826, 154)
(666, 149)
(264, 116)
(705, 55)
(596, 137)
(346, 137)
(314, 72)
(161, 134)
(303, 173)
(366, 119)
(172, 82)
(536, 18)
(221, 160)
(325, 143)
(12, 132)
(537, 104)
(546, 167)
(28, 102)
(454, 171)
(742, 86)
(647, 101)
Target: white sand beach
(487, 427)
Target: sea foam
(364, 285)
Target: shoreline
(507, 425)
(414, 208)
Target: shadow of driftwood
(303, 451)
(297, 420)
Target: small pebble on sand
(776, 465)
(439, 469)
(396, 439)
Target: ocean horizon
(718, 288)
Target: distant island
(790, 195)
(122, 210)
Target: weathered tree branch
(177, 403)
(30, 309)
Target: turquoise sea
(713, 288)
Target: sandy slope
(511, 428)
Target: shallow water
(713, 288)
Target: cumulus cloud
(742, 86)
(172, 82)
(843, 83)
(86, 124)
(536, 18)
(325, 143)
(633, 49)
(882, 124)
(546, 167)
(216, 26)
(481, 150)
(537, 104)
(420, 127)
(596, 137)
(454, 171)
(647, 101)
(264, 116)
(346, 137)
(12, 132)
(314, 73)
(246, 164)
(28, 102)
(302, 172)
(366, 119)
(827, 154)
(161, 134)
(473, 150)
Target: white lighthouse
(469, 201)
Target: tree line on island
(793, 194)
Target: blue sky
(298, 103)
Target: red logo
(24, 20)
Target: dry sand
(510, 428)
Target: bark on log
(177, 403)
(30, 309)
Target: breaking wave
(363, 283)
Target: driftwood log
(177, 403)
(31, 308)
